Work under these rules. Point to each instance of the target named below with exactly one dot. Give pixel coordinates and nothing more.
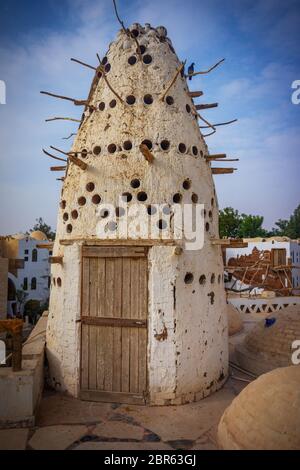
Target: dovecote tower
(136, 317)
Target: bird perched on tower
(191, 70)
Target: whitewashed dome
(38, 235)
(269, 343)
(265, 415)
(19, 236)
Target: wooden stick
(206, 106)
(65, 153)
(82, 165)
(217, 155)
(60, 179)
(206, 71)
(58, 168)
(206, 122)
(126, 31)
(219, 124)
(195, 94)
(222, 171)
(211, 133)
(62, 119)
(52, 156)
(83, 63)
(76, 102)
(209, 159)
(173, 80)
(69, 137)
(147, 154)
(109, 85)
(56, 259)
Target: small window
(26, 252)
(34, 255)
(26, 258)
(33, 283)
(25, 283)
(50, 252)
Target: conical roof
(265, 415)
(269, 343)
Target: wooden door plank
(125, 331)
(113, 252)
(92, 329)
(100, 366)
(108, 344)
(84, 356)
(142, 334)
(117, 331)
(134, 334)
(85, 286)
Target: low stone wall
(21, 392)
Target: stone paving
(64, 422)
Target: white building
(34, 276)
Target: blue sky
(260, 41)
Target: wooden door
(114, 324)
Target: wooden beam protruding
(216, 156)
(58, 168)
(77, 161)
(45, 246)
(76, 102)
(147, 154)
(83, 63)
(229, 242)
(222, 171)
(56, 259)
(206, 106)
(195, 94)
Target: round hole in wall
(186, 184)
(130, 100)
(113, 103)
(132, 60)
(148, 143)
(177, 198)
(66, 216)
(188, 278)
(74, 214)
(127, 145)
(120, 211)
(58, 281)
(112, 226)
(162, 224)
(63, 204)
(170, 100)
(148, 99)
(202, 279)
(96, 199)
(195, 150)
(166, 210)
(99, 74)
(151, 209)
(84, 153)
(194, 198)
(97, 150)
(210, 214)
(182, 148)
(142, 196)
(165, 145)
(104, 213)
(135, 183)
(81, 201)
(69, 228)
(90, 187)
(212, 201)
(107, 68)
(212, 278)
(207, 226)
(54, 281)
(101, 106)
(188, 108)
(219, 278)
(201, 153)
(104, 60)
(203, 212)
(142, 49)
(147, 59)
(134, 33)
(126, 197)
(112, 148)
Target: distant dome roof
(269, 343)
(38, 235)
(265, 415)
(235, 320)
